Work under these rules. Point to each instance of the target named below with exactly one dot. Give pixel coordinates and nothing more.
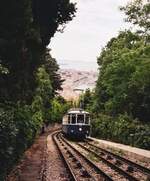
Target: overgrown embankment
(122, 129)
(20, 125)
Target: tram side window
(80, 118)
(65, 119)
(73, 119)
(87, 118)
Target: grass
(116, 151)
(92, 157)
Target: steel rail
(89, 175)
(71, 174)
(121, 171)
(139, 167)
(97, 169)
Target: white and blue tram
(76, 123)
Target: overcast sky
(95, 23)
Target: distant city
(78, 65)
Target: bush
(8, 133)
(27, 128)
(58, 108)
(18, 128)
(19, 124)
(122, 129)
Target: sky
(96, 22)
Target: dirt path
(34, 163)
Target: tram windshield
(73, 118)
(80, 118)
(69, 119)
(87, 119)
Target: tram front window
(80, 118)
(69, 119)
(73, 119)
(87, 118)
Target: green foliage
(58, 108)
(86, 99)
(43, 96)
(8, 133)
(44, 88)
(21, 123)
(26, 28)
(118, 91)
(137, 12)
(122, 129)
(52, 68)
(17, 51)
(29, 76)
(121, 105)
(51, 16)
(17, 132)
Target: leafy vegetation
(121, 101)
(121, 129)
(29, 77)
(86, 100)
(59, 107)
(123, 83)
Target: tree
(120, 61)
(138, 13)
(28, 75)
(59, 107)
(86, 99)
(16, 50)
(122, 95)
(124, 62)
(26, 29)
(52, 68)
(50, 15)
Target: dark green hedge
(17, 132)
(122, 129)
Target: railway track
(129, 162)
(125, 167)
(79, 167)
(106, 166)
(70, 172)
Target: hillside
(75, 79)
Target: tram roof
(77, 111)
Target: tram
(76, 123)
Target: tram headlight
(80, 129)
